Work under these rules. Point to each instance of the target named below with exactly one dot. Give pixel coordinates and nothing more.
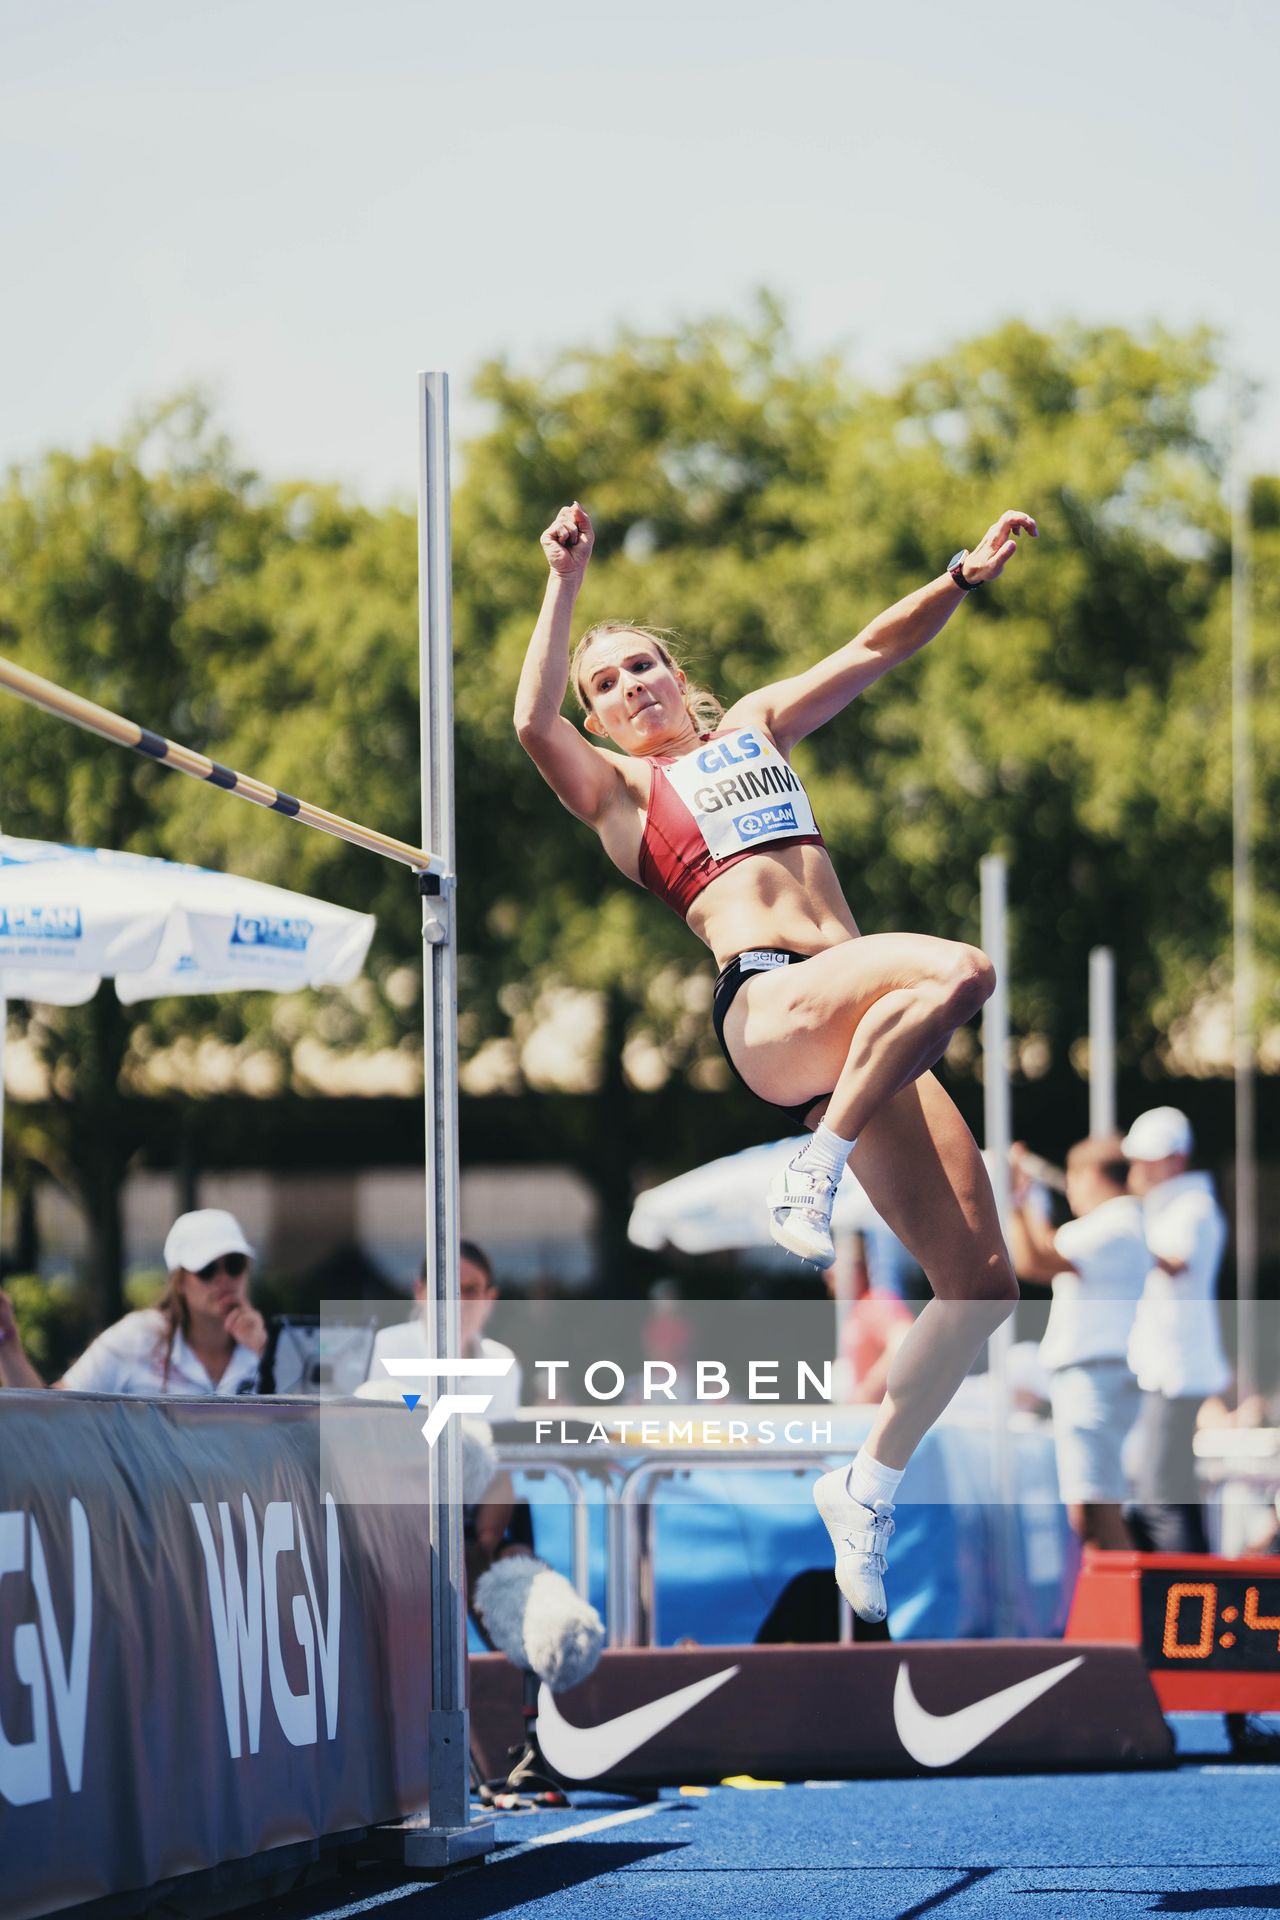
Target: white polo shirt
(129, 1358)
(1176, 1344)
(1095, 1300)
(408, 1341)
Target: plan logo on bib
(768, 822)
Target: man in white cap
(202, 1336)
(1097, 1266)
(1175, 1347)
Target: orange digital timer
(1208, 1628)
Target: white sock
(825, 1152)
(869, 1483)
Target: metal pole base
(445, 1836)
(416, 1844)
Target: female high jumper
(836, 1029)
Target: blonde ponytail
(176, 1315)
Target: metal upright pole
(4, 1021)
(997, 1106)
(1102, 1041)
(997, 1111)
(449, 1835)
(1243, 987)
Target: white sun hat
(197, 1238)
(1156, 1134)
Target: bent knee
(991, 1281)
(967, 980)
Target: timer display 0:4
(1229, 1624)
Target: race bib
(742, 793)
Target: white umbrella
(721, 1207)
(70, 916)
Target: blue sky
(297, 205)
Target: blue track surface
(1203, 1838)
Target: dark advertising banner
(208, 1646)
(653, 1715)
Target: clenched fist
(568, 541)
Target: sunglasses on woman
(232, 1264)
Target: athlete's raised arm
(794, 707)
(582, 776)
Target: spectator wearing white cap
(1175, 1348)
(203, 1336)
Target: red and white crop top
(732, 798)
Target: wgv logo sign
(246, 1613)
(285, 934)
(49, 1669)
(433, 1425)
(40, 923)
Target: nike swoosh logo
(583, 1753)
(940, 1739)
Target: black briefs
(734, 975)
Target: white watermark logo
(696, 1384)
(447, 1403)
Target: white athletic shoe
(860, 1536)
(800, 1200)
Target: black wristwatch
(955, 567)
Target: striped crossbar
(57, 700)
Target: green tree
(307, 677)
(100, 557)
(273, 628)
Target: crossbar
(65, 705)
